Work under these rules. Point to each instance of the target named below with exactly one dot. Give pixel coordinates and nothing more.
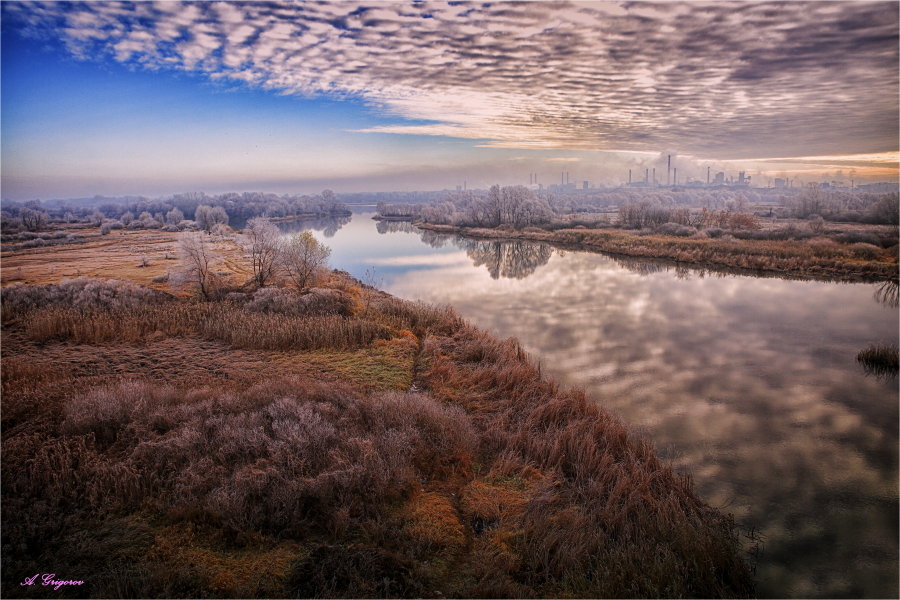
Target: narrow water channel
(749, 384)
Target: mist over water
(749, 384)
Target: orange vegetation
(351, 445)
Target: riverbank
(816, 258)
(341, 443)
(308, 216)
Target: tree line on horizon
(519, 206)
(203, 210)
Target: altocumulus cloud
(723, 79)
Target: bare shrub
(33, 220)
(316, 301)
(108, 226)
(854, 237)
(263, 247)
(676, 229)
(275, 457)
(885, 210)
(866, 251)
(816, 224)
(304, 259)
(34, 243)
(81, 293)
(198, 260)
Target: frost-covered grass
(340, 443)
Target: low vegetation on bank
(882, 360)
(842, 235)
(814, 258)
(334, 442)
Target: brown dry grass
(185, 449)
(112, 256)
(828, 260)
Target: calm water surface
(749, 384)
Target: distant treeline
(519, 206)
(193, 207)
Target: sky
(155, 98)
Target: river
(750, 384)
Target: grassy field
(140, 256)
(817, 257)
(352, 445)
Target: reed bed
(863, 261)
(882, 360)
(213, 321)
(602, 503)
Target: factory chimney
(654, 175)
(707, 175)
(675, 176)
(629, 176)
(646, 176)
(668, 169)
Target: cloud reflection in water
(750, 384)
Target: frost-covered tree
(174, 217)
(33, 220)
(262, 241)
(208, 217)
(197, 259)
(304, 259)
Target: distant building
(779, 182)
(584, 185)
(720, 178)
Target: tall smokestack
(646, 175)
(668, 169)
(629, 175)
(654, 175)
(675, 175)
(707, 175)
